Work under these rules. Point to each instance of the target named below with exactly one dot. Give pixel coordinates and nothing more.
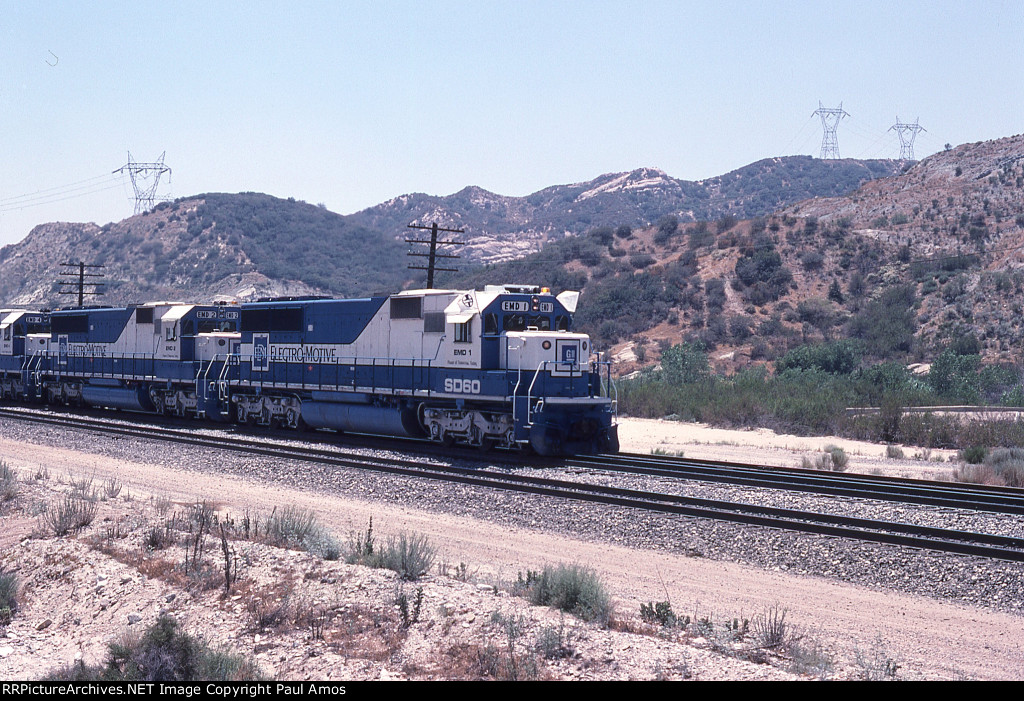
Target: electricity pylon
(830, 118)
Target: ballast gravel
(975, 581)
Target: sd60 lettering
(460, 386)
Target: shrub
(641, 260)
(812, 260)
(410, 555)
(887, 324)
(973, 455)
(770, 628)
(1008, 465)
(293, 527)
(8, 596)
(8, 483)
(573, 589)
(685, 363)
(668, 225)
(660, 612)
(71, 515)
(839, 458)
(162, 653)
(836, 357)
(894, 452)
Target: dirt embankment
(89, 597)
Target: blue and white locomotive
(497, 367)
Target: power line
(62, 188)
(59, 197)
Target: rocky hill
(905, 264)
(212, 246)
(500, 228)
(249, 245)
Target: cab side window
(463, 332)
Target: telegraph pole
(433, 254)
(80, 285)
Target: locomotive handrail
(309, 380)
(519, 380)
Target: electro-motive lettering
(457, 385)
(87, 349)
(317, 354)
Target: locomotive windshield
(521, 322)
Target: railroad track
(1006, 500)
(864, 530)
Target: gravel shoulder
(929, 638)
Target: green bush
(1008, 465)
(411, 555)
(660, 612)
(8, 483)
(293, 527)
(162, 653)
(8, 596)
(887, 324)
(836, 357)
(574, 589)
(973, 455)
(70, 515)
(685, 363)
(839, 458)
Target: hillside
(906, 264)
(249, 245)
(212, 246)
(500, 228)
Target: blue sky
(352, 103)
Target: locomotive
(498, 367)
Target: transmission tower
(433, 254)
(145, 179)
(830, 118)
(907, 134)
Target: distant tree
(726, 222)
(834, 293)
(857, 285)
(685, 363)
(818, 313)
(887, 324)
(668, 225)
(603, 235)
(836, 358)
(700, 235)
(955, 377)
(624, 232)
